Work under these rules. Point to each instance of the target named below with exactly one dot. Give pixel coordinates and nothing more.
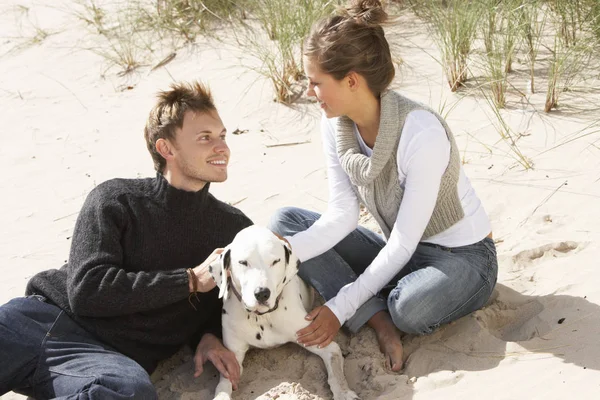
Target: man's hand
(322, 329)
(204, 280)
(210, 348)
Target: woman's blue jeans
(46, 355)
(438, 284)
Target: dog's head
(259, 265)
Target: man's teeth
(217, 162)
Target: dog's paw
(222, 396)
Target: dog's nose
(262, 294)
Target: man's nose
(221, 147)
(262, 294)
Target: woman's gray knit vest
(375, 178)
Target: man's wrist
(209, 338)
(192, 280)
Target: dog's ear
(219, 271)
(288, 253)
(292, 263)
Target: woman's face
(333, 95)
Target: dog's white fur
(257, 260)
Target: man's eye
(205, 137)
(223, 137)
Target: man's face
(200, 153)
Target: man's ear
(163, 147)
(219, 271)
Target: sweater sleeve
(423, 156)
(97, 283)
(341, 216)
(210, 310)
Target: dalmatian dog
(265, 302)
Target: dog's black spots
(298, 264)
(227, 259)
(248, 316)
(213, 278)
(287, 254)
(224, 311)
(560, 321)
(284, 279)
(300, 296)
(256, 319)
(285, 308)
(258, 336)
(210, 269)
(262, 328)
(271, 325)
(221, 273)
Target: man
(136, 286)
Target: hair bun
(367, 12)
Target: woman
(398, 158)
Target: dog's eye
(244, 262)
(275, 262)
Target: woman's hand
(322, 329)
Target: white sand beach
(69, 122)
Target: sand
(69, 123)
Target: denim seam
(37, 369)
(491, 259)
(94, 377)
(289, 223)
(286, 223)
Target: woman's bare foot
(389, 339)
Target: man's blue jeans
(46, 355)
(438, 284)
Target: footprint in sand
(511, 316)
(440, 380)
(530, 257)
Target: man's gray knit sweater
(126, 282)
